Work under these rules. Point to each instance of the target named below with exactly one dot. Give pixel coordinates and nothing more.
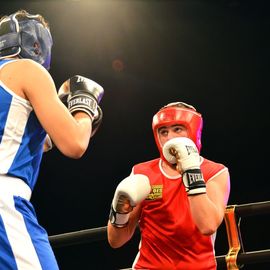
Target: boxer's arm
(118, 236)
(69, 133)
(207, 200)
(208, 209)
(125, 208)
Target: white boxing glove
(129, 192)
(183, 152)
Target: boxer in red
(178, 200)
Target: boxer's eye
(163, 131)
(178, 128)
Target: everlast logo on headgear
(191, 149)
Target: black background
(211, 54)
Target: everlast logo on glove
(80, 94)
(82, 101)
(191, 149)
(194, 176)
(194, 182)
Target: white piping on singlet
(21, 244)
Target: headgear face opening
(182, 114)
(26, 37)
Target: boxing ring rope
(234, 259)
(79, 237)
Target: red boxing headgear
(182, 114)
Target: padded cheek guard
(27, 38)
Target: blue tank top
(21, 136)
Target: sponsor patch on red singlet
(156, 192)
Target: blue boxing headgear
(25, 35)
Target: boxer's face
(166, 133)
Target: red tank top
(169, 238)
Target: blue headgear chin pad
(26, 37)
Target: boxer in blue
(31, 115)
